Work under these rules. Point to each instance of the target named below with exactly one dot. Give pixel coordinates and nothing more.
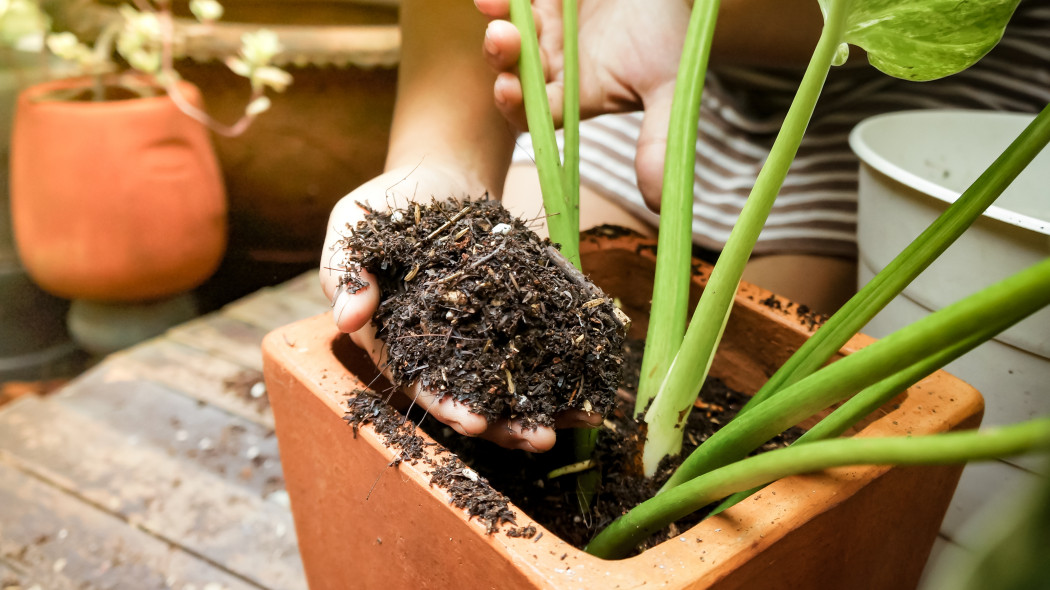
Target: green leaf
(925, 39)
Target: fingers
(652, 143)
(502, 45)
(505, 433)
(511, 435)
(500, 10)
(394, 188)
(509, 99)
(511, 103)
(458, 416)
(494, 8)
(451, 412)
(502, 50)
(351, 310)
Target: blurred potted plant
(279, 198)
(117, 199)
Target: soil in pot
(472, 470)
(474, 304)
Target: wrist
(446, 168)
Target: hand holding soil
(491, 338)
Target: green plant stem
(670, 304)
(571, 110)
(585, 439)
(587, 481)
(670, 409)
(541, 126)
(990, 310)
(937, 449)
(914, 259)
(872, 398)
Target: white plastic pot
(913, 164)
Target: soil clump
(475, 306)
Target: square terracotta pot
(864, 527)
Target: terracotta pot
(866, 527)
(118, 200)
(324, 136)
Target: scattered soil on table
(472, 469)
(476, 306)
(248, 385)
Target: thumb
(652, 143)
(352, 306)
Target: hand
(353, 311)
(629, 55)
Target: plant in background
(146, 38)
(915, 40)
(22, 25)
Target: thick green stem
(990, 311)
(956, 447)
(674, 246)
(899, 273)
(560, 216)
(689, 368)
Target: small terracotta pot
(326, 134)
(118, 200)
(864, 527)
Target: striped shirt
(742, 110)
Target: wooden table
(158, 467)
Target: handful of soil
(474, 305)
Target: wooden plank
(307, 287)
(192, 372)
(202, 437)
(177, 469)
(272, 308)
(224, 337)
(51, 540)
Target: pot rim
(32, 93)
(860, 142)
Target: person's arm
(447, 137)
(445, 116)
(447, 140)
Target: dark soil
(475, 305)
(478, 468)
